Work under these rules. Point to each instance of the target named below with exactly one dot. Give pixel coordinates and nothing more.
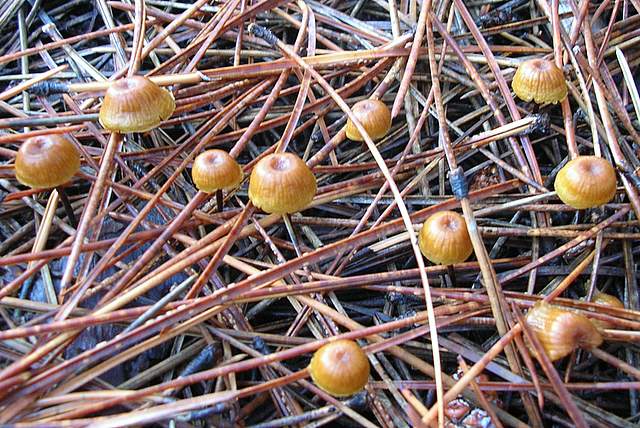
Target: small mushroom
(135, 104)
(375, 117)
(281, 183)
(539, 80)
(340, 368)
(444, 238)
(586, 182)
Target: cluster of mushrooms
(281, 183)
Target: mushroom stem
(536, 108)
(452, 275)
(219, 200)
(66, 203)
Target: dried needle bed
(271, 213)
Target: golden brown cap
(561, 331)
(605, 300)
(586, 182)
(444, 238)
(539, 80)
(135, 104)
(215, 170)
(340, 368)
(281, 183)
(46, 161)
(375, 117)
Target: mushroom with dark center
(375, 117)
(135, 104)
(48, 161)
(340, 368)
(214, 171)
(586, 182)
(539, 80)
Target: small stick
(292, 233)
(67, 206)
(566, 108)
(615, 362)
(138, 37)
(12, 92)
(159, 305)
(222, 250)
(89, 210)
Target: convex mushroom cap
(340, 368)
(539, 80)
(215, 170)
(281, 183)
(586, 182)
(135, 104)
(561, 331)
(46, 161)
(444, 238)
(606, 300)
(375, 117)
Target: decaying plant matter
(139, 290)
